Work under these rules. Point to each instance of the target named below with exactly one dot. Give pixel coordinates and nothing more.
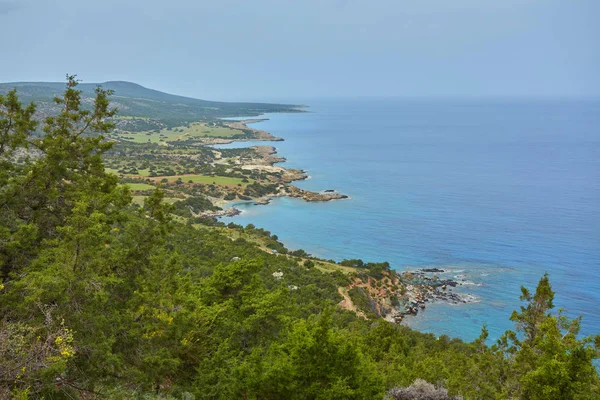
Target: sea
(496, 192)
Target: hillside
(134, 100)
(121, 287)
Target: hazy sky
(296, 49)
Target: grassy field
(217, 180)
(329, 267)
(195, 130)
(202, 130)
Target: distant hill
(137, 101)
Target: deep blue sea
(495, 191)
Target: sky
(296, 49)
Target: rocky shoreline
(394, 295)
(228, 212)
(293, 191)
(422, 289)
(257, 134)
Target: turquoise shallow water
(496, 192)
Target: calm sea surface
(497, 192)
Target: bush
(196, 204)
(299, 253)
(420, 390)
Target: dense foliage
(100, 298)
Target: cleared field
(195, 130)
(217, 180)
(203, 130)
(329, 267)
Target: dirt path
(347, 304)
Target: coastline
(265, 161)
(432, 208)
(398, 295)
(394, 295)
(242, 125)
(246, 173)
(250, 175)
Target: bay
(495, 192)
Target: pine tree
(547, 359)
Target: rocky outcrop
(292, 174)
(255, 134)
(266, 155)
(229, 212)
(436, 270)
(293, 191)
(395, 296)
(262, 201)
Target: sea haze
(497, 192)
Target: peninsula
(183, 162)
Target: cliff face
(376, 297)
